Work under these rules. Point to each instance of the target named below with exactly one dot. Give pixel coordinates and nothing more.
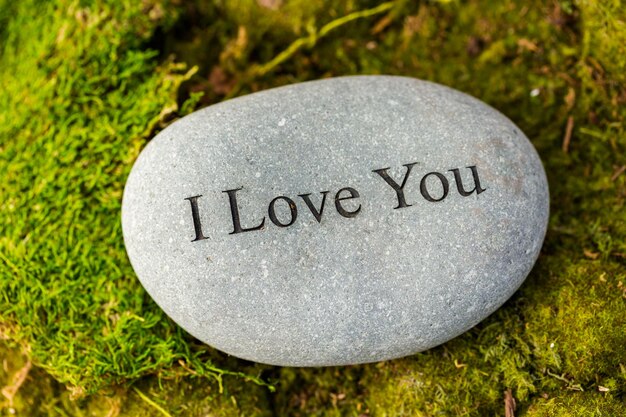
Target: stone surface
(223, 221)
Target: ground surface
(86, 84)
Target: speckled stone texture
(360, 285)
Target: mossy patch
(82, 95)
(86, 85)
(30, 391)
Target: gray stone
(373, 276)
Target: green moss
(86, 85)
(29, 391)
(578, 404)
(82, 96)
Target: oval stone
(333, 222)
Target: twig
(568, 133)
(145, 398)
(310, 41)
(186, 368)
(509, 404)
(313, 37)
(18, 379)
(114, 403)
(618, 172)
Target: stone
(339, 221)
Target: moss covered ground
(84, 85)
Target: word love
(289, 207)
